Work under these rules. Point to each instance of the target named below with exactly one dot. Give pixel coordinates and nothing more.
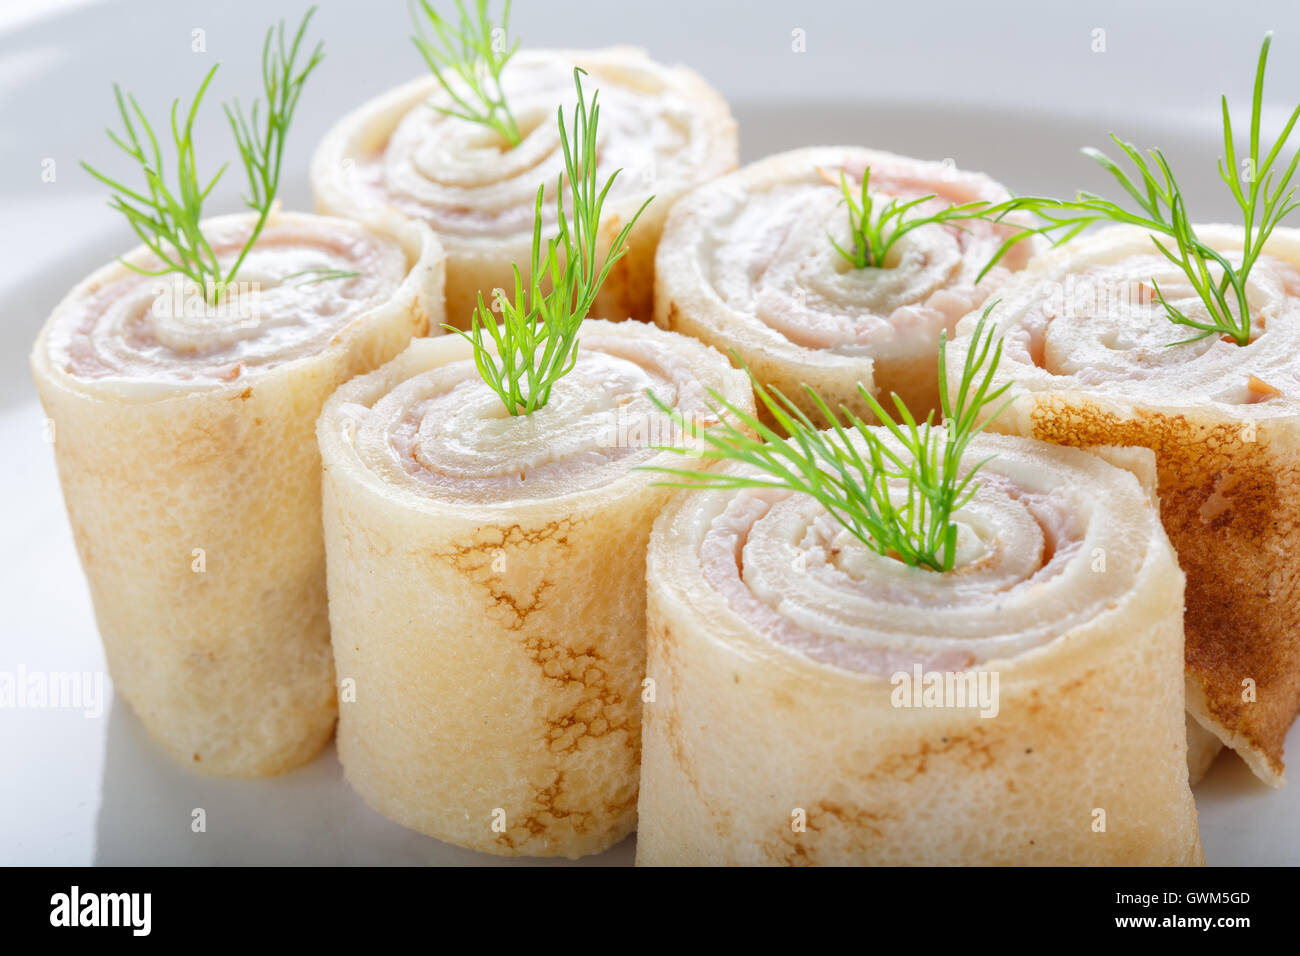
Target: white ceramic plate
(1009, 88)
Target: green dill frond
(895, 496)
(536, 342)
(467, 58)
(261, 140)
(168, 222)
(1267, 199)
(875, 230)
(321, 274)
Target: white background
(1012, 88)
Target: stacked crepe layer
(776, 641)
(664, 127)
(487, 585)
(747, 264)
(1089, 351)
(185, 446)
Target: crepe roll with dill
(485, 525)
(834, 266)
(913, 644)
(182, 385)
(463, 148)
(1183, 338)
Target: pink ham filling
(303, 319)
(808, 319)
(1112, 285)
(452, 437)
(722, 561)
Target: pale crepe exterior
(1243, 579)
(484, 264)
(1203, 748)
(496, 650)
(229, 668)
(745, 733)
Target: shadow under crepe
(309, 816)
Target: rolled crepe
(664, 127)
(487, 585)
(791, 722)
(1202, 749)
(746, 264)
(1089, 352)
(184, 436)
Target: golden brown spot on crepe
(469, 557)
(587, 701)
(600, 708)
(673, 318)
(516, 599)
(1074, 684)
(246, 394)
(1231, 506)
(862, 827)
(798, 856)
(516, 610)
(858, 818)
(543, 814)
(546, 812)
(971, 749)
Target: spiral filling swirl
(304, 280)
(769, 255)
(467, 182)
(445, 434)
(1091, 318)
(1043, 547)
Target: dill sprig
(895, 496)
(536, 342)
(320, 274)
(166, 222)
(1162, 210)
(170, 223)
(875, 230)
(472, 52)
(261, 144)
